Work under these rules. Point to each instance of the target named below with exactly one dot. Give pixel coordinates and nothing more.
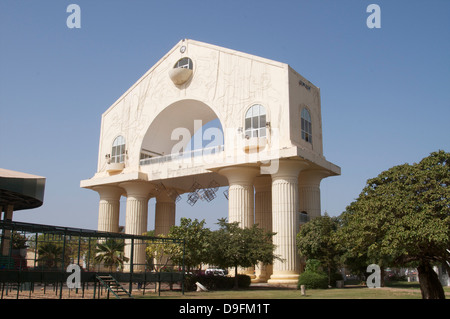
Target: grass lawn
(400, 290)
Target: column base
(259, 280)
(283, 279)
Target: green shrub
(313, 280)
(313, 265)
(244, 281)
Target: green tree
(197, 242)
(403, 216)
(19, 240)
(50, 254)
(161, 254)
(317, 240)
(110, 252)
(359, 237)
(74, 247)
(233, 246)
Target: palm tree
(110, 253)
(50, 254)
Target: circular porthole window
(185, 63)
(181, 71)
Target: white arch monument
(267, 148)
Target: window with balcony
(118, 150)
(255, 122)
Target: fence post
(131, 265)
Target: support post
(241, 199)
(138, 194)
(285, 204)
(165, 208)
(263, 218)
(109, 208)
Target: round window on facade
(181, 71)
(184, 63)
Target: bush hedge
(313, 280)
(215, 282)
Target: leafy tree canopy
(233, 246)
(402, 215)
(197, 243)
(316, 241)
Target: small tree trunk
(430, 286)
(236, 282)
(382, 274)
(329, 276)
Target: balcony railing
(182, 156)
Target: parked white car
(215, 272)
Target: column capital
(137, 189)
(289, 168)
(312, 177)
(240, 174)
(109, 192)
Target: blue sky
(385, 92)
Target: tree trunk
(236, 282)
(329, 276)
(430, 286)
(382, 274)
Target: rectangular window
(262, 121)
(255, 123)
(262, 132)
(248, 123)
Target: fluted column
(138, 194)
(240, 194)
(109, 208)
(241, 199)
(309, 191)
(285, 204)
(164, 214)
(165, 208)
(263, 218)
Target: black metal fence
(34, 255)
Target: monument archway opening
(181, 129)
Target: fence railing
(182, 156)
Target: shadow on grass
(402, 284)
